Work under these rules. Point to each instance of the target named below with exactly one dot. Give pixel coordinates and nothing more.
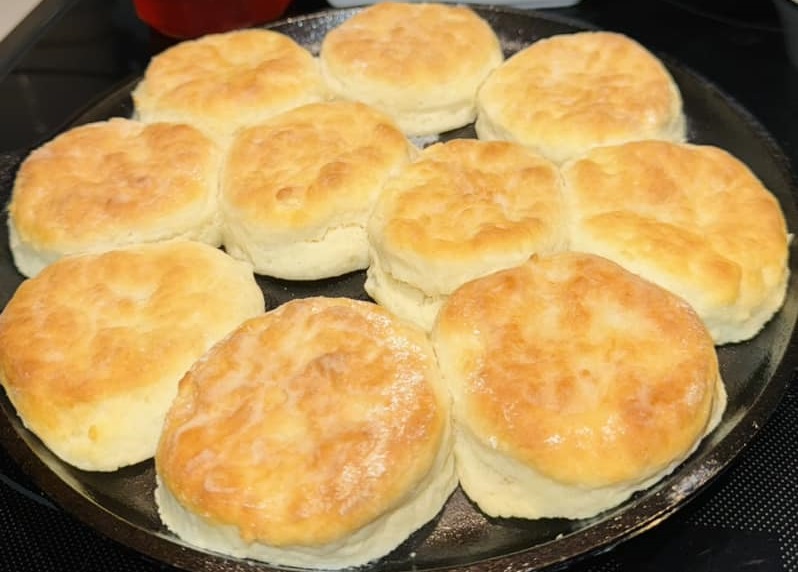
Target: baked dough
(464, 209)
(222, 82)
(316, 435)
(110, 184)
(421, 63)
(692, 218)
(565, 94)
(298, 189)
(574, 384)
(93, 347)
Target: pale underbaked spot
(112, 184)
(405, 300)
(317, 435)
(336, 252)
(419, 63)
(566, 94)
(576, 382)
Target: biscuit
(92, 348)
(110, 184)
(297, 190)
(574, 384)
(565, 94)
(693, 219)
(316, 435)
(464, 209)
(222, 82)
(421, 63)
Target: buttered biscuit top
(463, 209)
(420, 63)
(93, 347)
(568, 93)
(222, 82)
(316, 434)
(110, 184)
(297, 189)
(692, 218)
(575, 382)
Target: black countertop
(70, 52)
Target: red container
(193, 18)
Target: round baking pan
(121, 506)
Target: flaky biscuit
(692, 218)
(421, 63)
(110, 184)
(92, 348)
(316, 435)
(297, 190)
(465, 208)
(565, 94)
(574, 384)
(221, 82)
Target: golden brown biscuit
(93, 347)
(316, 435)
(565, 94)
(110, 184)
(221, 82)
(693, 219)
(297, 190)
(421, 63)
(575, 383)
(465, 208)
